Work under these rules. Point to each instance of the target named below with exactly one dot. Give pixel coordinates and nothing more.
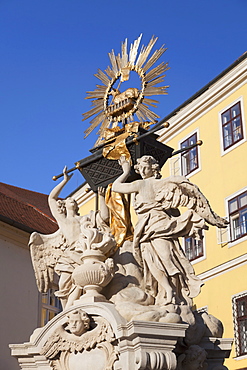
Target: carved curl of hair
(61, 206)
(152, 161)
(83, 315)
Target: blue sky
(51, 49)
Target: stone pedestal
(135, 345)
(218, 349)
(149, 345)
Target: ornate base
(109, 342)
(91, 296)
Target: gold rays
(119, 70)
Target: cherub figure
(78, 322)
(159, 226)
(61, 251)
(80, 333)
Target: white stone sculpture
(194, 358)
(62, 252)
(93, 275)
(135, 312)
(81, 340)
(168, 274)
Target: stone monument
(127, 292)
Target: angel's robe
(156, 223)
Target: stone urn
(93, 275)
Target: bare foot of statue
(168, 299)
(165, 297)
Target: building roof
(26, 209)
(201, 91)
(158, 126)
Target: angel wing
(177, 191)
(102, 332)
(45, 250)
(55, 344)
(61, 340)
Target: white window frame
(223, 234)
(203, 257)
(47, 307)
(244, 238)
(235, 324)
(196, 131)
(225, 151)
(175, 165)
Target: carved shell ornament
(110, 105)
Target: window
(240, 323)
(50, 306)
(190, 158)
(193, 248)
(232, 128)
(238, 216)
(175, 165)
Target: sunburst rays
(121, 65)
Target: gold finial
(199, 142)
(132, 100)
(166, 124)
(54, 178)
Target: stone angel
(80, 334)
(61, 251)
(168, 274)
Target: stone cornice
(222, 88)
(224, 268)
(83, 196)
(14, 235)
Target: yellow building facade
(217, 116)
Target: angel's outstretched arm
(119, 185)
(54, 194)
(104, 210)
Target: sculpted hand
(124, 164)
(101, 191)
(65, 174)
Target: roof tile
(26, 209)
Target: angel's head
(78, 322)
(66, 205)
(147, 166)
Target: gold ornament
(111, 106)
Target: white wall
(19, 297)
